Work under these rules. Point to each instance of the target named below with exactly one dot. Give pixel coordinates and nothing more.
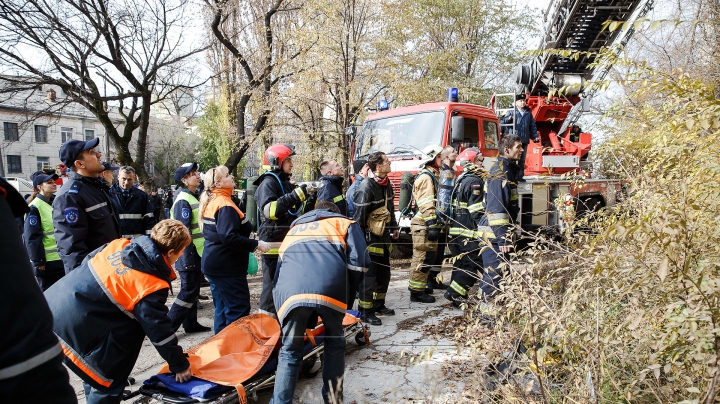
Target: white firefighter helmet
(429, 154)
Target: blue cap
(183, 170)
(39, 177)
(71, 149)
(109, 167)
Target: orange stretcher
(242, 359)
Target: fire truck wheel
(589, 205)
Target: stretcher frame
(310, 367)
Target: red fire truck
(403, 132)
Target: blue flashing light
(453, 94)
(382, 105)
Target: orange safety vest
(124, 286)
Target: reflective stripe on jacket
(320, 237)
(467, 205)
(332, 191)
(45, 223)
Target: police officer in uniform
(31, 369)
(133, 206)
(39, 234)
(465, 216)
(332, 180)
(82, 211)
(280, 201)
(185, 209)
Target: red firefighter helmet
(276, 154)
(466, 156)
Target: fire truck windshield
(405, 134)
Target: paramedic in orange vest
(105, 307)
(227, 248)
(321, 263)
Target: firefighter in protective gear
(501, 210)
(280, 201)
(31, 369)
(332, 180)
(186, 210)
(105, 308)
(425, 225)
(466, 213)
(39, 234)
(445, 188)
(375, 193)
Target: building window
(40, 134)
(65, 134)
(43, 162)
(89, 134)
(11, 131)
(14, 164)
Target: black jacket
(84, 219)
(157, 204)
(287, 205)
(332, 191)
(369, 196)
(92, 325)
(467, 203)
(135, 211)
(25, 319)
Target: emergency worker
(445, 188)
(31, 369)
(186, 210)
(279, 201)
(133, 207)
(425, 226)
(104, 309)
(227, 248)
(374, 203)
(467, 212)
(523, 125)
(360, 168)
(501, 210)
(83, 213)
(332, 180)
(305, 291)
(39, 234)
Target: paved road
(400, 364)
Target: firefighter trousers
(376, 281)
(492, 273)
(467, 269)
(420, 266)
(267, 304)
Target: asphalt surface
(401, 364)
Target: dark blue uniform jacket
(501, 199)
(84, 219)
(107, 339)
(332, 191)
(287, 205)
(227, 238)
(524, 124)
(135, 212)
(322, 262)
